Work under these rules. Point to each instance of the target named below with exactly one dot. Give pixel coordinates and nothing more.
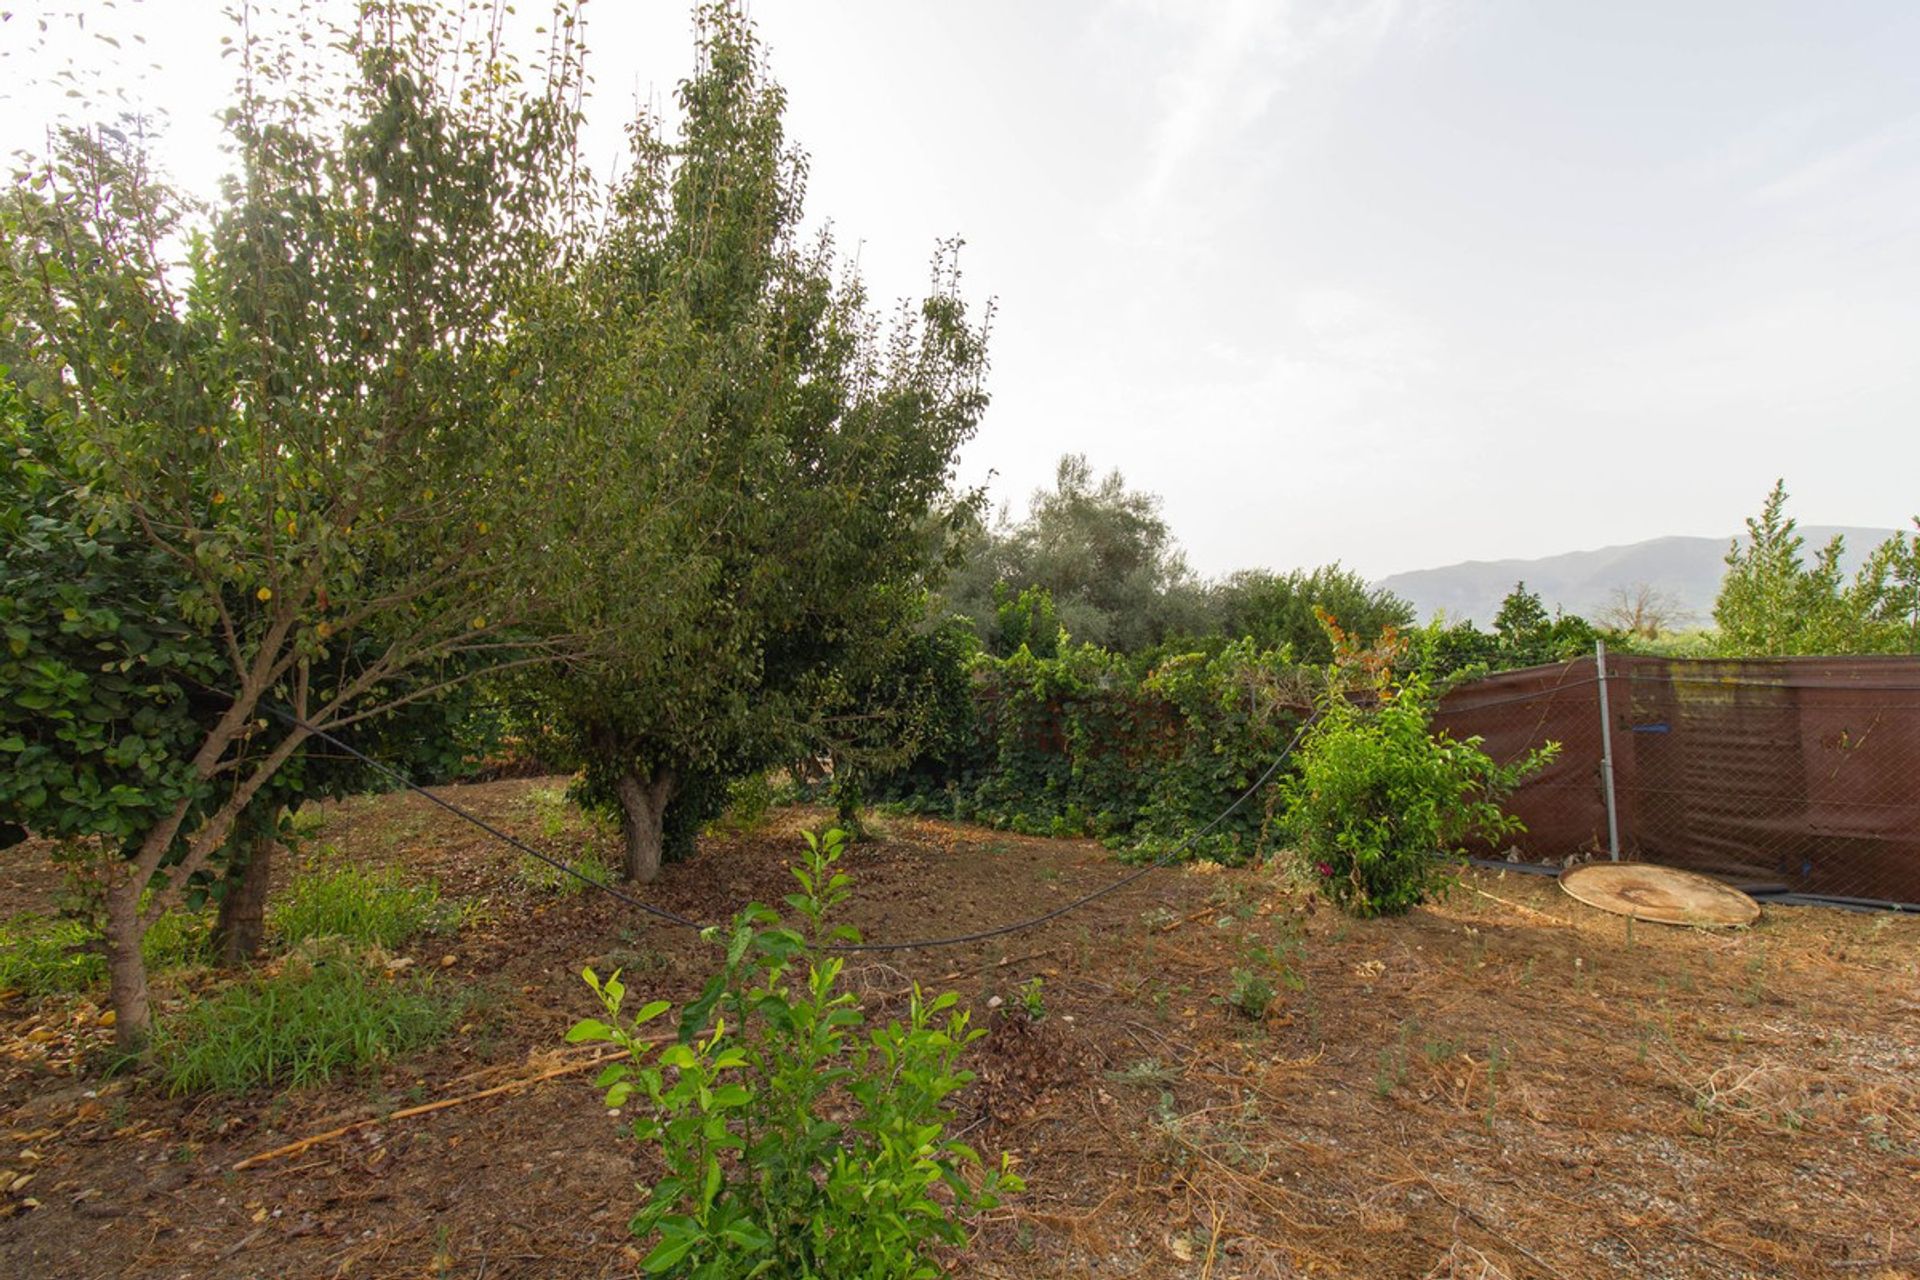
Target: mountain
(1686, 570)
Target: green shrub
(1252, 993)
(798, 1141)
(1090, 743)
(42, 956)
(377, 908)
(749, 801)
(300, 1027)
(1378, 798)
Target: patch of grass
(44, 956)
(39, 957)
(543, 877)
(377, 908)
(551, 810)
(300, 1027)
(567, 833)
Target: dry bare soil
(1505, 1084)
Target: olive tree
(1101, 551)
(288, 407)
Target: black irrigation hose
(673, 917)
(1102, 892)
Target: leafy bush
(749, 801)
(1087, 744)
(798, 1142)
(377, 908)
(41, 956)
(1378, 798)
(299, 1027)
(1252, 993)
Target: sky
(1394, 283)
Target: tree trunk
(643, 810)
(241, 930)
(127, 970)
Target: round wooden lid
(1662, 895)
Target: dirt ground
(1506, 1084)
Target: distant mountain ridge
(1687, 570)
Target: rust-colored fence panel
(1802, 773)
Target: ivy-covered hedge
(1087, 743)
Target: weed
(376, 908)
(1499, 1060)
(538, 876)
(1147, 1071)
(1390, 1068)
(1032, 1002)
(299, 1027)
(1254, 985)
(1252, 993)
(550, 810)
(1157, 918)
(1879, 1138)
(1233, 902)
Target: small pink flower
(1326, 869)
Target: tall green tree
(790, 450)
(1281, 610)
(293, 400)
(1772, 602)
(1100, 549)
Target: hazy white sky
(1395, 283)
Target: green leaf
(589, 1029)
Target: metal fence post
(1606, 750)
